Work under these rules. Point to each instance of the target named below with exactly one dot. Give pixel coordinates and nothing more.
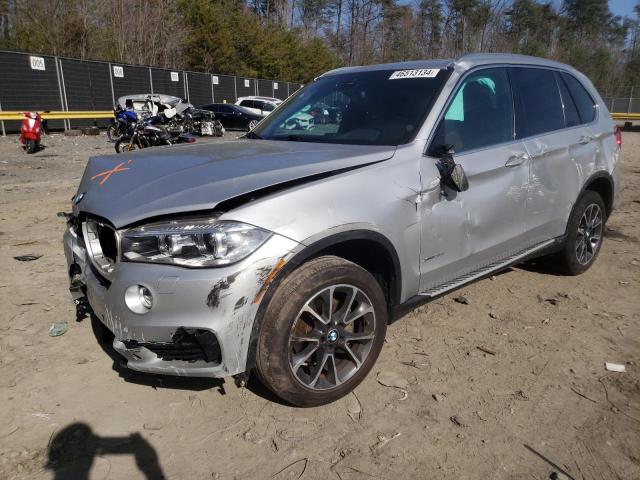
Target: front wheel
(126, 145)
(252, 124)
(322, 332)
(32, 146)
(584, 234)
(114, 132)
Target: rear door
(463, 232)
(556, 140)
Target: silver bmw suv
(288, 252)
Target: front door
(467, 231)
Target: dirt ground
(537, 400)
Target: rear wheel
(322, 332)
(584, 234)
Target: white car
(299, 121)
(259, 105)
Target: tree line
(296, 40)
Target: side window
(258, 104)
(537, 100)
(268, 107)
(248, 103)
(571, 116)
(480, 114)
(582, 99)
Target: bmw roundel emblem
(78, 198)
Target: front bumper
(222, 301)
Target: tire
(114, 132)
(585, 233)
(32, 146)
(123, 145)
(251, 125)
(298, 356)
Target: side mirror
(451, 173)
(459, 178)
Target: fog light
(138, 299)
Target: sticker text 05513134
(418, 73)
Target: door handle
(584, 139)
(516, 160)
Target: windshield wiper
(294, 138)
(253, 135)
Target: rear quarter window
(571, 115)
(584, 102)
(537, 100)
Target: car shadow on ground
(72, 450)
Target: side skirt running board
(544, 248)
(481, 272)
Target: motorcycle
(120, 124)
(31, 131)
(185, 118)
(150, 133)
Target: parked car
(234, 117)
(289, 252)
(300, 121)
(262, 106)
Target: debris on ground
(354, 409)
(30, 257)
(438, 398)
(520, 395)
(457, 421)
(486, 350)
(615, 367)
(393, 380)
(57, 329)
(462, 299)
(383, 440)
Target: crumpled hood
(130, 187)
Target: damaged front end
(175, 304)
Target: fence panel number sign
(275, 85)
(174, 77)
(246, 83)
(37, 63)
(118, 71)
(215, 79)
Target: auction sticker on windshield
(419, 73)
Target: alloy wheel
(331, 337)
(252, 124)
(589, 234)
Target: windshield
(385, 107)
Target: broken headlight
(192, 243)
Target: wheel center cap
(332, 336)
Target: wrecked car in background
(289, 251)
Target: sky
(617, 7)
(622, 7)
